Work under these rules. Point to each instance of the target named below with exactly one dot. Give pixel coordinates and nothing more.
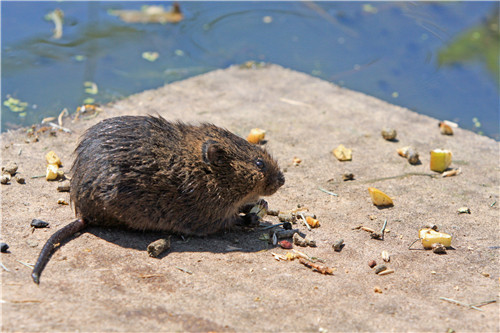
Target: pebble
(4, 247)
(37, 223)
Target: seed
(386, 272)
(389, 134)
(158, 246)
(385, 256)
(337, 246)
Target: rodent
(146, 173)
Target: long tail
(54, 241)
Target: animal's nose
(281, 179)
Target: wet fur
(146, 173)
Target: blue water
(385, 49)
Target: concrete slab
(104, 280)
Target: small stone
(378, 290)
(372, 263)
(36, 223)
(438, 248)
(287, 225)
(347, 176)
(4, 247)
(337, 246)
(485, 274)
(389, 134)
(10, 168)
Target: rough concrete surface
(104, 280)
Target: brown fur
(147, 173)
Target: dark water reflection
(439, 59)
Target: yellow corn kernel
(379, 198)
(440, 159)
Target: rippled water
(439, 59)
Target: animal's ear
(212, 152)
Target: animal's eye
(260, 164)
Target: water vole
(145, 173)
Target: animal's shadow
(238, 239)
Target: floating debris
(256, 135)
(150, 14)
(150, 56)
(56, 16)
(14, 104)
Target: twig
(409, 247)
(404, 175)
(64, 129)
(484, 303)
(25, 264)
(383, 228)
(460, 303)
(305, 222)
(39, 176)
(3, 266)
(183, 270)
(327, 192)
(271, 226)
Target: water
(439, 59)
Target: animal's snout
(281, 179)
